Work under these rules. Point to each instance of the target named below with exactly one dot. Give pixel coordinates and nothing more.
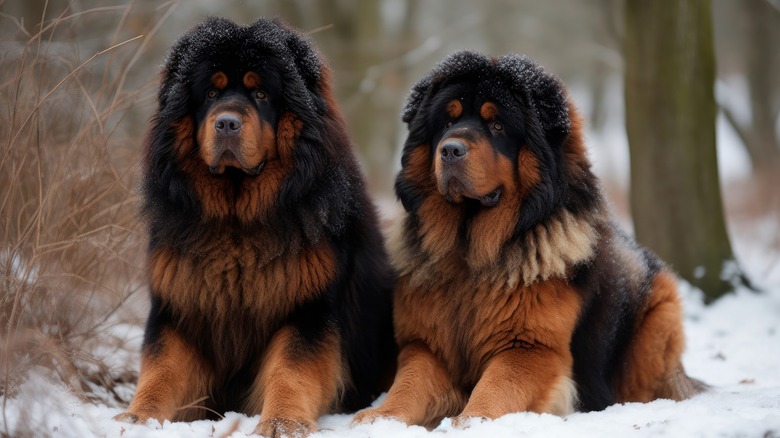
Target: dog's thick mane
(549, 250)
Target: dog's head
(247, 127)
(229, 87)
(486, 132)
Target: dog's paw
(366, 416)
(466, 421)
(285, 427)
(127, 417)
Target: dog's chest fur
(234, 285)
(476, 320)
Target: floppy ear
(540, 91)
(546, 126)
(416, 97)
(298, 63)
(307, 62)
(171, 98)
(407, 188)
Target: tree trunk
(762, 144)
(670, 120)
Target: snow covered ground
(733, 344)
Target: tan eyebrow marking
(219, 80)
(454, 108)
(489, 111)
(251, 80)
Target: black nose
(227, 124)
(453, 150)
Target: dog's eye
(260, 95)
(498, 127)
(449, 124)
(212, 94)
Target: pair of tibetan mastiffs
(510, 288)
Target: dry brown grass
(71, 246)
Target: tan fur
(418, 168)
(422, 393)
(514, 339)
(488, 111)
(251, 80)
(183, 130)
(172, 376)
(189, 280)
(562, 398)
(528, 171)
(296, 387)
(548, 251)
(648, 375)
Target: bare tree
(670, 117)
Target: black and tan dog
(517, 292)
(270, 284)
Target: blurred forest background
(77, 87)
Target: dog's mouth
(455, 192)
(491, 199)
(229, 160)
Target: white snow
(733, 345)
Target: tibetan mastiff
(516, 290)
(271, 289)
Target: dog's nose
(453, 150)
(227, 124)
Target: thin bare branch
(56, 87)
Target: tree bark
(670, 121)
(762, 43)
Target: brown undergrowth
(71, 248)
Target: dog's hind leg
(652, 362)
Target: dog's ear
(297, 62)
(308, 63)
(546, 126)
(418, 95)
(540, 92)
